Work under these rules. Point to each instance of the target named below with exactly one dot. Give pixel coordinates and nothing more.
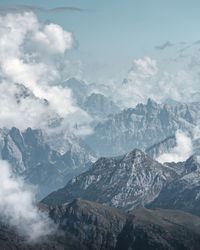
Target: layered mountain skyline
(99, 125)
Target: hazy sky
(111, 34)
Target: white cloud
(159, 79)
(28, 49)
(34, 54)
(181, 152)
(50, 39)
(17, 207)
(143, 68)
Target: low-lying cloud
(18, 209)
(181, 152)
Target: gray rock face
(130, 181)
(167, 146)
(33, 156)
(162, 147)
(100, 106)
(79, 89)
(97, 105)
(141, 127)
(183, 192)
(135, 180)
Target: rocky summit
(135, 180)
(142, 126)
(127, 182)
(183, 192)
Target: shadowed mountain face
(41, 161)
(92, 226)
(141, 127)
(184, 192)
(130, 181)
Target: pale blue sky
(112, 33)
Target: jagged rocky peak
(192, 164)
(124, 182)
(79, 89)
(150, 106)
(142, 126)
(23, 92)
(40, 161)
(133, 159)
(162, 147)
(184, 191)
(99, 105)
(151, 103)
(15, 133)
(134, 155)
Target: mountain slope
(130, 181)
(33, 155)
(142, 126)
(78, 88)
(97, 105)
(87, 225)
(184, 192)
(101, 227)
(161, 147)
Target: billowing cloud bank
(17, 207)
(34, 56)
(161, 79)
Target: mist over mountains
(86, 165)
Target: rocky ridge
(127, 182)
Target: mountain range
(133, 181)
(47, 162)
(100, 191)
(142, 126)
(91, 99)
(87, 225)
